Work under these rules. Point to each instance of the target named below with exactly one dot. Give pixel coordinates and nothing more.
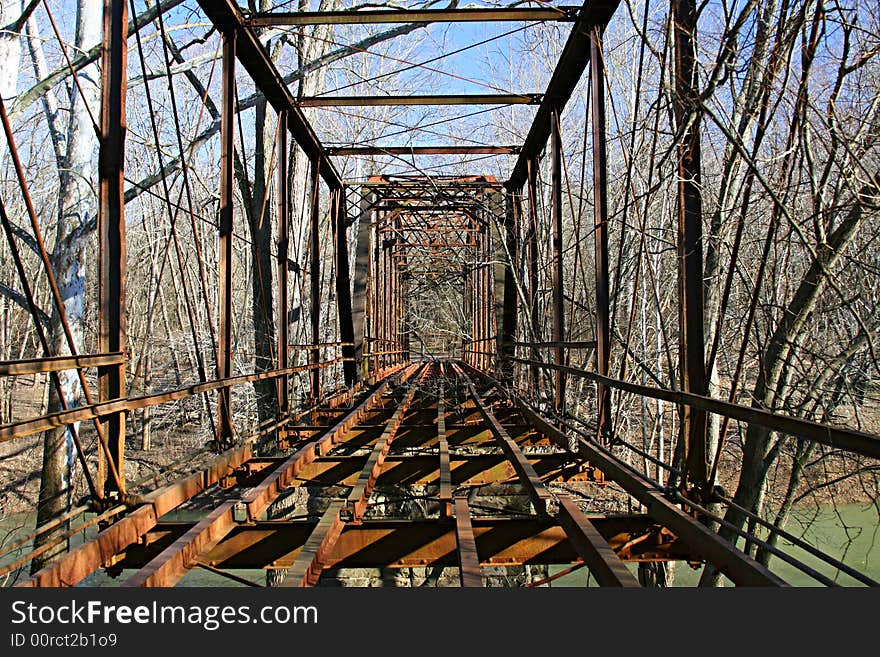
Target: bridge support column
(532, 242)
(600, 233)
(111, 239)
(315, 278)
(361, 275)
(558, 264)
(343, 284)
(282, 345)
(224, 284)
(507, 334)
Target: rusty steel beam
(225, 252)
(531, 239)
(600, 232)
(344, 310)
(58, 363)
(260, 497)
(402, 246)
(460, 99)
(569, 344)
(167, 568)
(360, 291)
(387, 16)
(736, 565)
(481, 300)
(228, 17)
(468, 557)
(283, 246)
(569, 68)
(453, 470)
(102, 518)
(603, 562)
(445, 474)
(111, 239)
(500, 541)
(176, 560)
(395, 304)
(541, 497)
(315, 276)
(510, 305)
(86, 558)
(848, 440)
(80, 413)
(558, 269)
(306, 570)
(423, 150)
(692, 350)
(430, 183)
(360, 493)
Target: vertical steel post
(395, 294)
(532, 239)
(376, 300)
(379, 306)
(111, 234)
(482, 300)
(507, 335)
(488, 300)
(690, 243)
(227, 185)
(315, 278)
(361, 292)
(392, 306)
(392, 302)
(558, 269)
(600, 234)
(467, 284)
(282, 348)
(398, 305)
(343, 285)
(477, 300)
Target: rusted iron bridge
(439, 417)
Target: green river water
(850, 533)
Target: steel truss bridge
(446, 425)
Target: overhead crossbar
(449, 99)
(424, 150)
(484, 14)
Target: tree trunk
(77, 210)
(10, 54)
(259, 215)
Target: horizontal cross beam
(424, 150)
(500, 541)
(486, 14)
(58, 363)
(451, 99)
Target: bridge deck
(493, 486)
